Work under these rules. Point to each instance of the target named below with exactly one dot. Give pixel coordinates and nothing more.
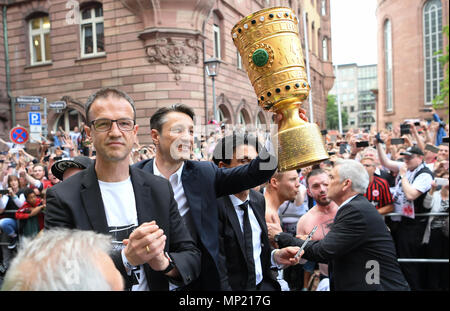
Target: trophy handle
(289, 108)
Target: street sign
(34, 118)
(29, 99)
(35, 108)
(59, 104)
(19, 135)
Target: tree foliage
(442, 99)
(332, 114)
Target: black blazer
(232, 246)
(77, 203)
(203, 182)
(357, 244)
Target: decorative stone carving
(175, 53)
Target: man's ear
(155, 136)
(347, 184)
(87, 129)
(308, 192)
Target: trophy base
(300, 146)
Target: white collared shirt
(256, 233)
(177, 186)
(346, 201)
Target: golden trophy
(271, 52)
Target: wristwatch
(171, 264)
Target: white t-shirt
(120, 208)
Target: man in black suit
(358, 248)
(244, 245)
(198, 184)
(153, 248)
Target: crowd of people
(195, 211)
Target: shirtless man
(282, 186)
(322, 215)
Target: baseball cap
(59, 167)
(412, 150)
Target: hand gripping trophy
(270, 48)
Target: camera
(404, 129)
(360, 144)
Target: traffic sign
(34, 118)
(29, 99)
(59, 104)
(19, 135)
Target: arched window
(39, 33)
(388, 65)
(432, 42)
(68, 120)
(92, 31)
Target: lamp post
(212, 69)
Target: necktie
(251, 280)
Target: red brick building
(409, 33)
(153, 50)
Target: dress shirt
(346, 201)
(256, 233)
(177, 186)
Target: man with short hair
(378, 192)
(198, 184)
(64, 260)
(322, 214)
(281, 187)
(245, 263)
(358, 247)
(153, 250)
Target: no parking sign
(19, 135)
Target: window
(432, 36)
(216, 31)
(352, 108)
(388, 65)
(323, 7)
(39, 30)
(92, 33)
(325, 49)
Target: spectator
(30, 216)
(378, 192)
(64, 260)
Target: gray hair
(59, 260)
(355, 171)
(104, 93)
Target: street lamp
(212, 69)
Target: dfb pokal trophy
(269, 45)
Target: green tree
(332, 114)
(441, 100)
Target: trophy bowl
(269, 44)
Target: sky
(354, 31)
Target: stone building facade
(64, 50)
(409, 33)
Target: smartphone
(397, 141)
(425, 110)
(432, 148)
(441, 181)
(404, 129)
(4, 191)
(57, 158)
(417, 123)
(363, 143)
(330, 153)
(343, 148)
(310, 235)
(445, 139)
(1, 161)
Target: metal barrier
(405, 259)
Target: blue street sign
(34, 118)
